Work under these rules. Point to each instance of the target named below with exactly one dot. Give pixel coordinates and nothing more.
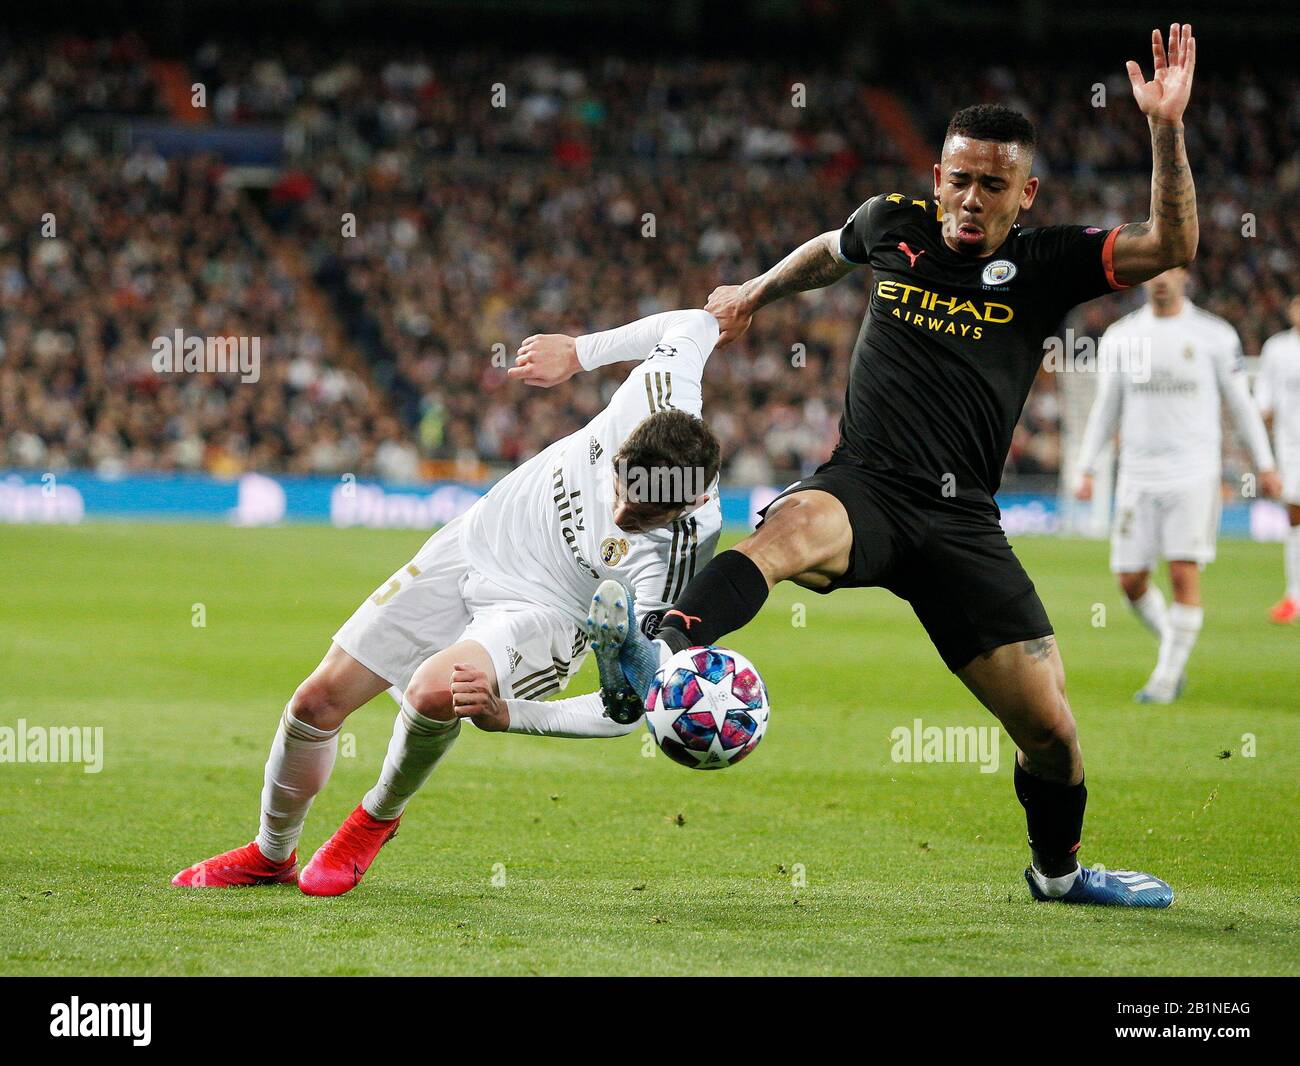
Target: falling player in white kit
(1163, 370)
(1277, 392)
(489, 616)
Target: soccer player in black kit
(961, 301)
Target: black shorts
(949, 559)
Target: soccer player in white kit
(1277, 392)
(489, 616)
(1163, 371)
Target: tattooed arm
(813, 265)
(1169, 237)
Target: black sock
(722, 597)
(1054, 813)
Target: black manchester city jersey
(950, 343)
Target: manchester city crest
(999, 272)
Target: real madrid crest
(999, 271)
(612, 550)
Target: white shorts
(1181, 524)
(438, 599)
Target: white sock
(1150, 608)
(417, 745)
(1054, 886)
(1292, 553)
(1184, 627)
(300, 762)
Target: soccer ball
(707, 708)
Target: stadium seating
(603, 190)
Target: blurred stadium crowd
(603, 190)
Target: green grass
(910, 869)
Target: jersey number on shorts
(393, 587)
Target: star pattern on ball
(718, 698)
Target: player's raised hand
(730, 306)
(473, 697)
(546, 359)
(1164, 98)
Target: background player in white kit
(1277, 392)
(1163, 371)
(494, 604)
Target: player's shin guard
(300, 762)
(1054, 814)
(722, 597)
(417, 745)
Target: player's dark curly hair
(669, 441)
(993, 122)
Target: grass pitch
(818, 855)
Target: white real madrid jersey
(1160, 383)
(546, 531)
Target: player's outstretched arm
(813, 265)
(1168, 238)
(547, 359)
(475, 697)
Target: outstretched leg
(805, 538)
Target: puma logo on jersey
(594, 451)
(912, 256)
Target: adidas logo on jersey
(513, 658)
(594, 451)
